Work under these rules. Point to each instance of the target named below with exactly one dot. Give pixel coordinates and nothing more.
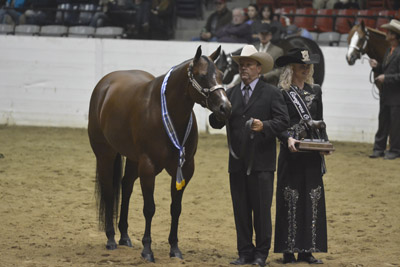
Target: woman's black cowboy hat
(297, 55)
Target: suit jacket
(272, 77)
(266, 104)
(390, 67)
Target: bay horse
(150, 121)
(365, 40)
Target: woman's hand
(292, 144)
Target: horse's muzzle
(225, 110)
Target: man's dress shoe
(241, 261)
(391, 155)
(377, 154)
(259, 262)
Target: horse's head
(358, 41)
(206, 80)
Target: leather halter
(206, 92)
(365, 40)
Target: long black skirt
(300, 224)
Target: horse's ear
(198, 54)
(362, 25)
(216, 53)
(350, 24)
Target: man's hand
(380, 78)
(257, 125)
(373, 63)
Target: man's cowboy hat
(393, 25)
(297, 55)
(249, 51)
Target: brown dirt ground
(48, 212)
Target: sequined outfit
(300, 202)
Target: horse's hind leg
(149, 208)
(109, 167)
(128, 180)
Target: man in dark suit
(252, 175)
(389, 110)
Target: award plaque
(314, 145)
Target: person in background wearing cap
(261, 106)
(300, 224)
(265, 45)
(389, 103)
(217, 20)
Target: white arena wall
(47, 81)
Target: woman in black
(300, 225)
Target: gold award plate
(314, 145)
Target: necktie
(246, 96)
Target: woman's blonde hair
(285, 80)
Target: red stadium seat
(288, 3)
(343, 19)
(368, 16)
(324, 20)
(287, 13)
(385, 16)
(305, 18)
(271, 3)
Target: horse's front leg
(149, 208)
(127, 186)
(176, 208)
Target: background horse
(128, 115)
(365, 40)
(230, 67)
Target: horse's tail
(101, 192)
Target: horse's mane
(380, 33)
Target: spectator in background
(293, 30)
(238, 31)
(142, 21)
(218, 19)
(40, 12)
(267, 16)
(252, 14)
(9, 14)
(161, 19)
(346, 4)
(265, 45)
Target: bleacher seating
(305, 18)
(6, 29)
(81, 31)
(324, 20)
(109, 32)
(54, 30)
(345, 18)
(27, 29)
(368, 16)
(384, 16)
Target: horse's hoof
(111, 245)
(148, 257)
(125, 242)
(175, 253)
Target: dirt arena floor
(48, 212)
